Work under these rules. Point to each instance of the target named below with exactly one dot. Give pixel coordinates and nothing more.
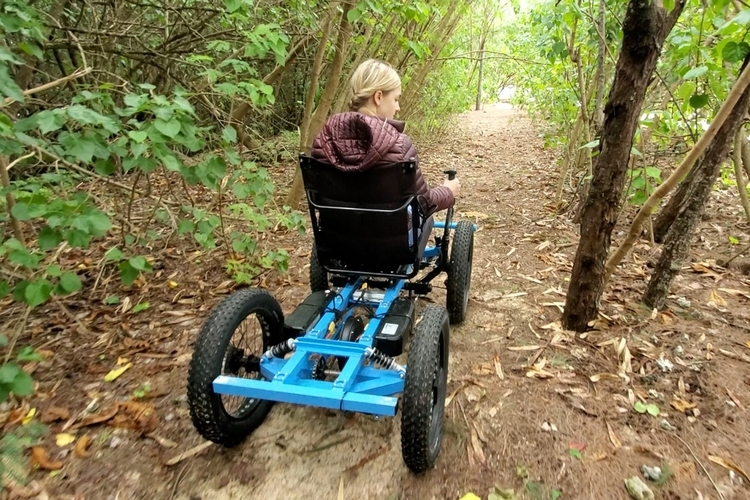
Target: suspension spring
(280, 350)
(382, 359)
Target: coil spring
(280, 350)
(382, 359)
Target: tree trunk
(10, 201)
(481, 74)
(677, 242)
(645, 28)
(601, 55)
(672, 209)
(326, 99)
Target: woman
(367, 136)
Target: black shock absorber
(280, 350)
(384, 360)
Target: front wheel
(424, 391)
(459, 276)
(223, 419)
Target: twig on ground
(721, 496)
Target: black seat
(361, 223)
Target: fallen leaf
(499, 368)
(64, 439)
(189, 453)
(613, 437)
(717, 299)
(524, 348)
(53, 414)
(100, 417)
(598, 376)
(121, 361)
(172, 284)
(167, 443)
(729, 464)
(139, 417)
(40, 458)
(533, 373)
(81, 446)
(734, 399)
(29, 416)
(470, 496)
(477, 446)
(114, 374)
(682, 406)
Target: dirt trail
(304, 452)
(517, 430)
(564, 426)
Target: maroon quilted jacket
(354, 142)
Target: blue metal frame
(357, 388)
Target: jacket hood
(353, 141)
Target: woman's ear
(378, 97)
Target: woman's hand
(454, 185)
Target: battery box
(395, 327)
(306, 314)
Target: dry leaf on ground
(729, 464)
(39, 457)
(81, 446)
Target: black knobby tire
(423, 405)
(207, 410)
(459, 276)
(318, 275)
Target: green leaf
(70, 282)
(141, 306)
(139, 262)
(8, 373)
(354, 15)
(185, 226)
(114, 253)
(8, 86)
(99, 224)
(128, 273)
(639, 407)
(698, 101)
(49, 121)
(138, 135)
(653, 172)
(49, 238)
(668, 6)
(653, 410)
(695, 73)
(169, 128)
(229, 134)
(112, 300)
(4, 290)
(3, 340)
(27, 354)
(556, 494)
(591, 145)
(77, 238)
(37, 292)
(733, 240)
(734, 52)
(23, 384)
(575, 453)
(233, 5)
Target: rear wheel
(424, 391)
(459, 276)
(231, 342)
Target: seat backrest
(362, 220)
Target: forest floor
(564, 428)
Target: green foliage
(13, 444)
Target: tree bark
(672, 209)
(481, 74)
(677, 243)
(645, 28)
(10, 201)
(326, 99)
(601, 55)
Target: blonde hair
(371, 76)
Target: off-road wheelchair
(338, 348)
